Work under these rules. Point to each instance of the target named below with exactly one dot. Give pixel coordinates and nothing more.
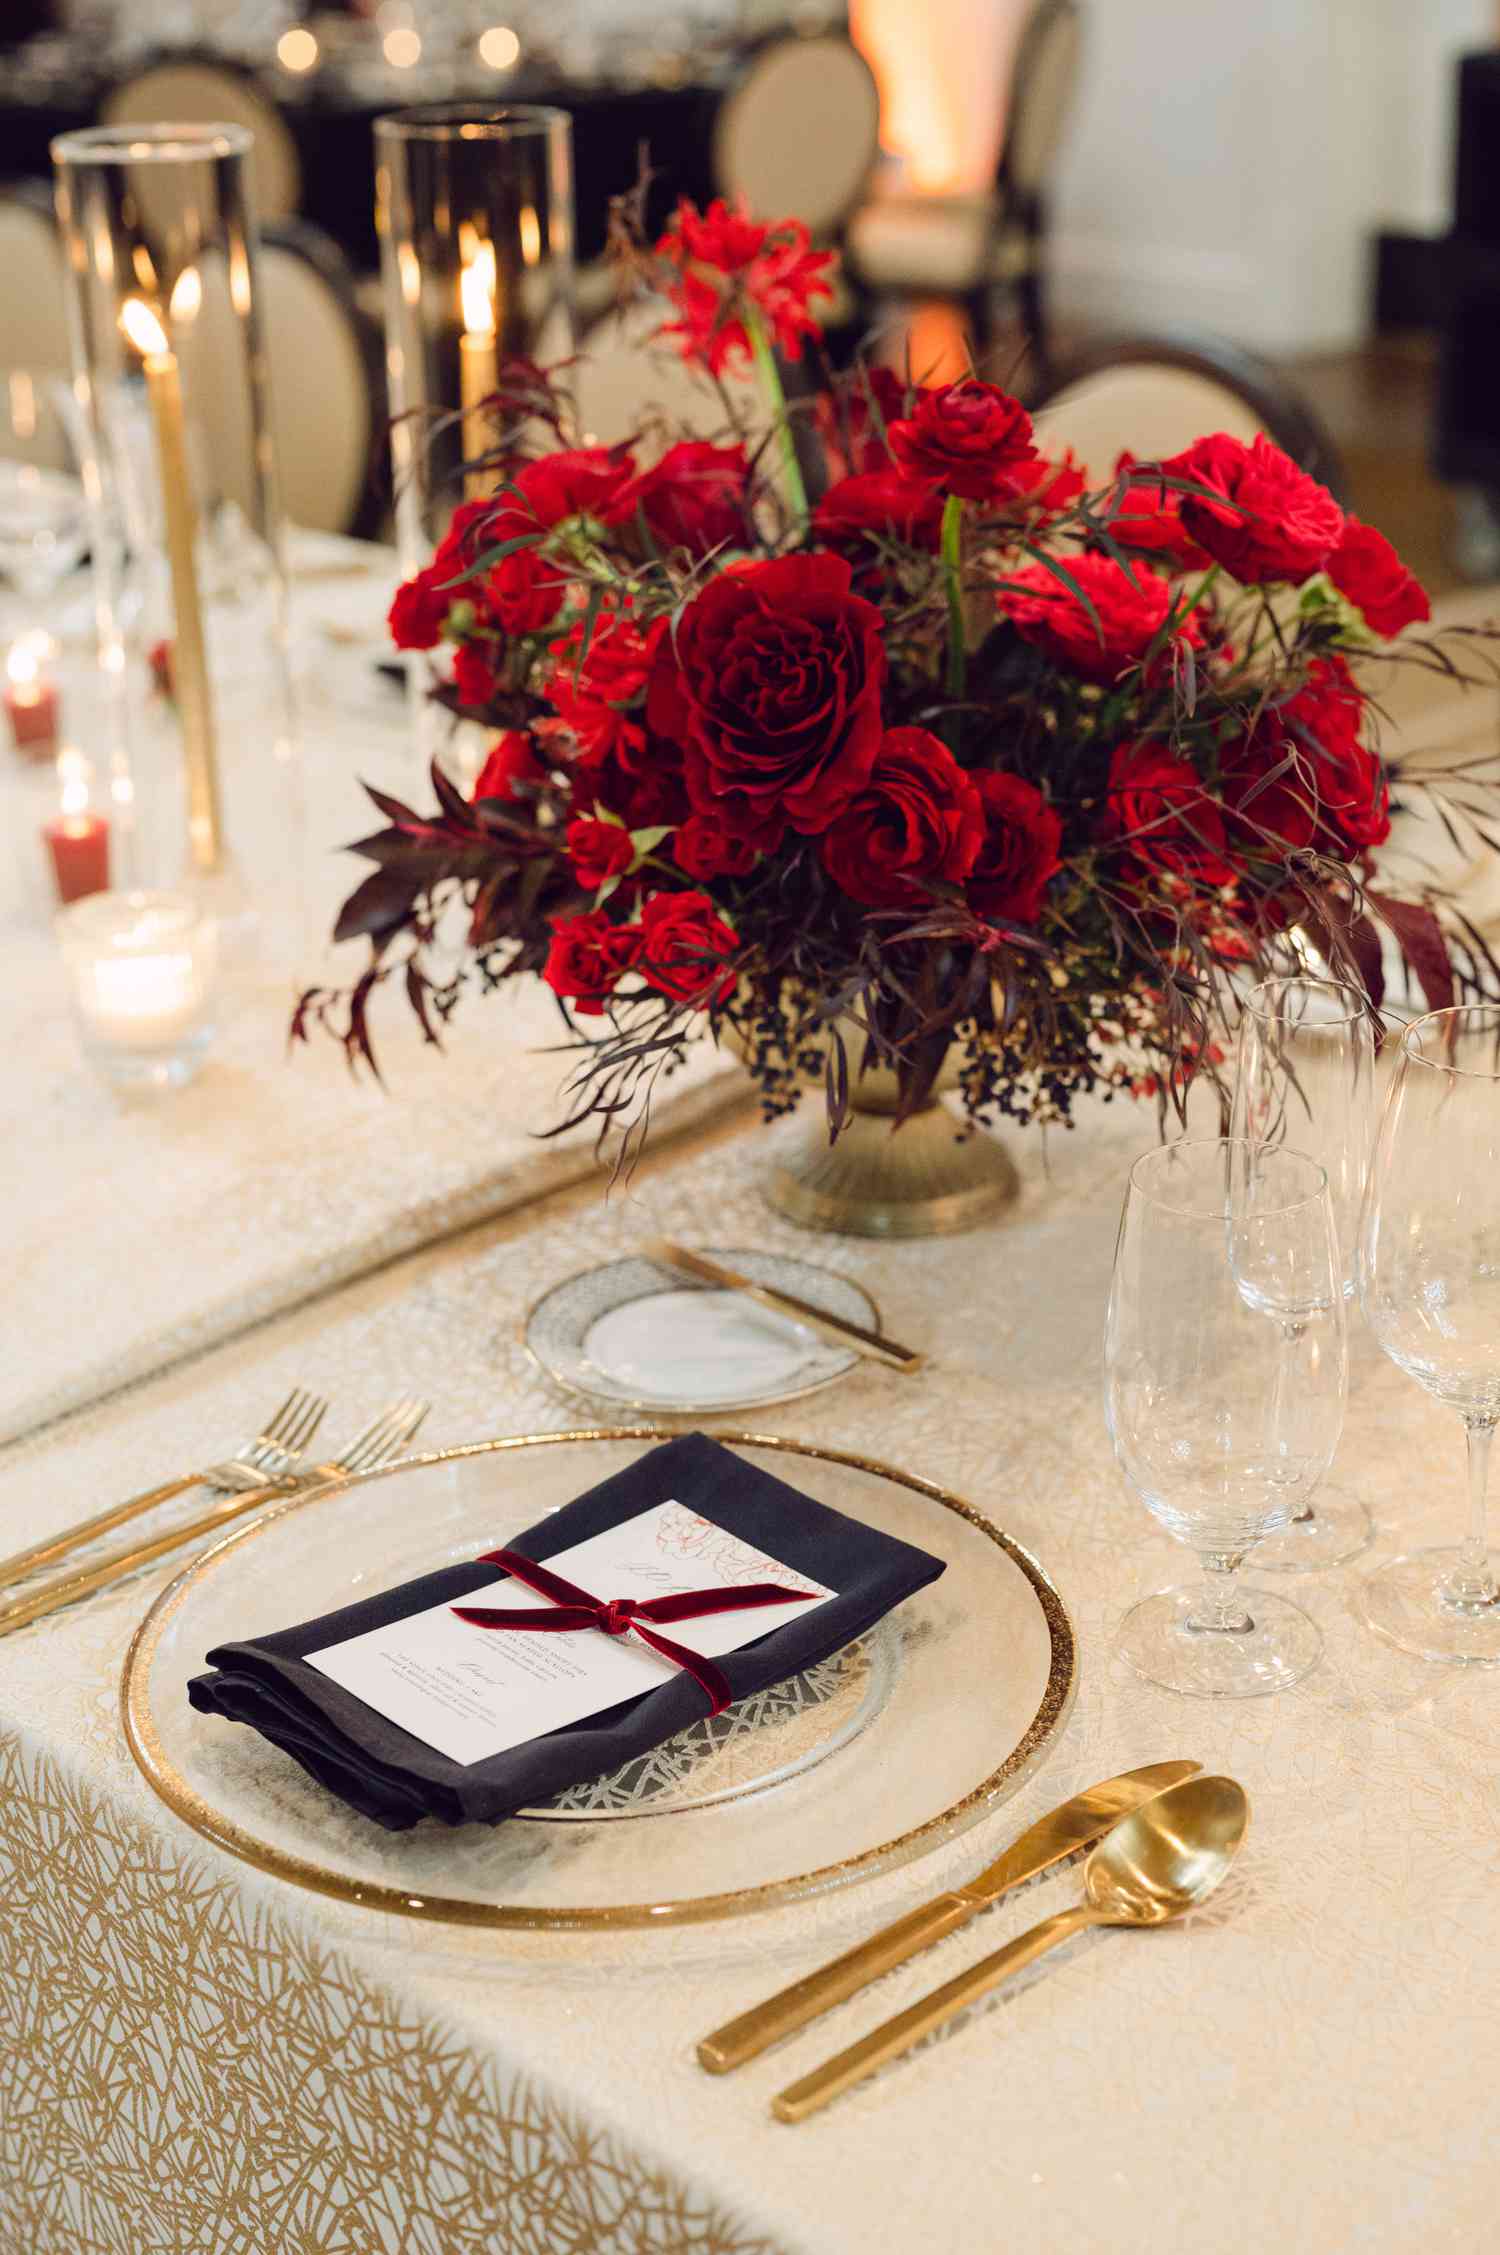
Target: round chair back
(1042, 86)
(799, 134)
(185, 91)
(626, 386)
(33, 305)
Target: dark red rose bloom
(1365, 568)
(524, 592)
(1146, 513)
(587, 959)
(511, 761)
(1262, 518)
(704, 849)
(969, 438)
(476, 671)
(1269, 797)
(600, 698)
(917, 821)
(725, 260)
(598, 850)
(883, 503)
(1019, 850)
(418, 610)
(693, 498)
(772, 685)
(1162, 810)
(1130, 610)
(1349, 785)
(685, 948)
(854, 423)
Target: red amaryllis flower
(772, 685)
(727, 263)
(511, 761)
(917, 821)
(599, 697)
(1365, 568)
(685, 947)
(693, 498)
(1145, 512)
(854, 423)
(884, 504)
(1161, 808)
(587, 959)
(598, 850)
(969, 438)
(1262, 518)
(704, 848)
(1130, 608)
(1018, 852)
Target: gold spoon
(1163, 1859)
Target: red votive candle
(33, 710)
(78, 845)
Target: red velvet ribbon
(573, 1608)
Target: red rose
(1130, 608)
(883, 504)
(587, 959)
(599, 697)
(854, 423)
(705, 849)
(1019, 850)
(598, 850)
(1161, 808)
(1349, 786)
(524, 591)
(684, 947)
(1261, 518)
(1145, 512)
(511, 761)
(1365, 568)
(725, 261)
(969, 438)
(918, 820)
(476, 672)
(418, 611)
(1269, 798)
(638, 777)
(772, 685)
(694, 498)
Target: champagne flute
(1430, 1284)
(1306, 1076)
(1222, 1421)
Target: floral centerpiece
(951, 768)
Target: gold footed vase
(924, 1178)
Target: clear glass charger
(634, 1335)
(917, 1731)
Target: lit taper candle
(478, 361)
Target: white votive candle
(142, 968)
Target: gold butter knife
(836, 1328)
(1077, 1824)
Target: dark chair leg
(1030, 298)
(978, 308)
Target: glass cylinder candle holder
(142, 969)
(474, 210)
(172, 399)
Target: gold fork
(381, 1440)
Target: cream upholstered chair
(626, 386)
(33, 305)
(971, 247)
(187, 90)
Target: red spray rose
(685, 946)
(638, 777)
(1130, 608)
(883, 503)
(511, 761)
(587, 959)
(599, 698)
(476, 671)
(598, 850)
(1263, 519)
(693, 498)
(1161, 807)
(772, 686)
(1349, 786)
(1019, 850)
(1365, 568)
(917, 820)
(969, 438)
(524, 592)
(724, 260)
(705, 849)
(419, 609)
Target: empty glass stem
(1222, 1610)
(1473, 1585)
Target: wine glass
(1222, 1421)
(1430, 1284)
(1306, 1076)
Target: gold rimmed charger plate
(960, 1703)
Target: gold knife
(836, 1328)
(1077, 1824)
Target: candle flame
(143, 328)
(186, 298)
(23, 664)
(73, 782)
(476, 289)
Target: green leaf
(646, 841)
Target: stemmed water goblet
(1430, 1286)
(1305, 1076)
(1225, 1377)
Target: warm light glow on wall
(942, 70)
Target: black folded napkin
(385, 1773)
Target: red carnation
(511, 761)
(704, 848)
(1350, 790)
(524, 591)
(1261, 518)
(684, 948)
(917, 821)
(725, 262)
(883, 504)
(1161, 808)
(1019, 850)
(598, 850)
(771, 683)
(693, 498)
(1145, 512)
(419, 609)
(599, 697)
(1365, 568)
(476, 672)
(587, 959)
(1130, 608)
(969, 438)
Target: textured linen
(198, 2061)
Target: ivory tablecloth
(197, 2061)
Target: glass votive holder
(142, 968)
